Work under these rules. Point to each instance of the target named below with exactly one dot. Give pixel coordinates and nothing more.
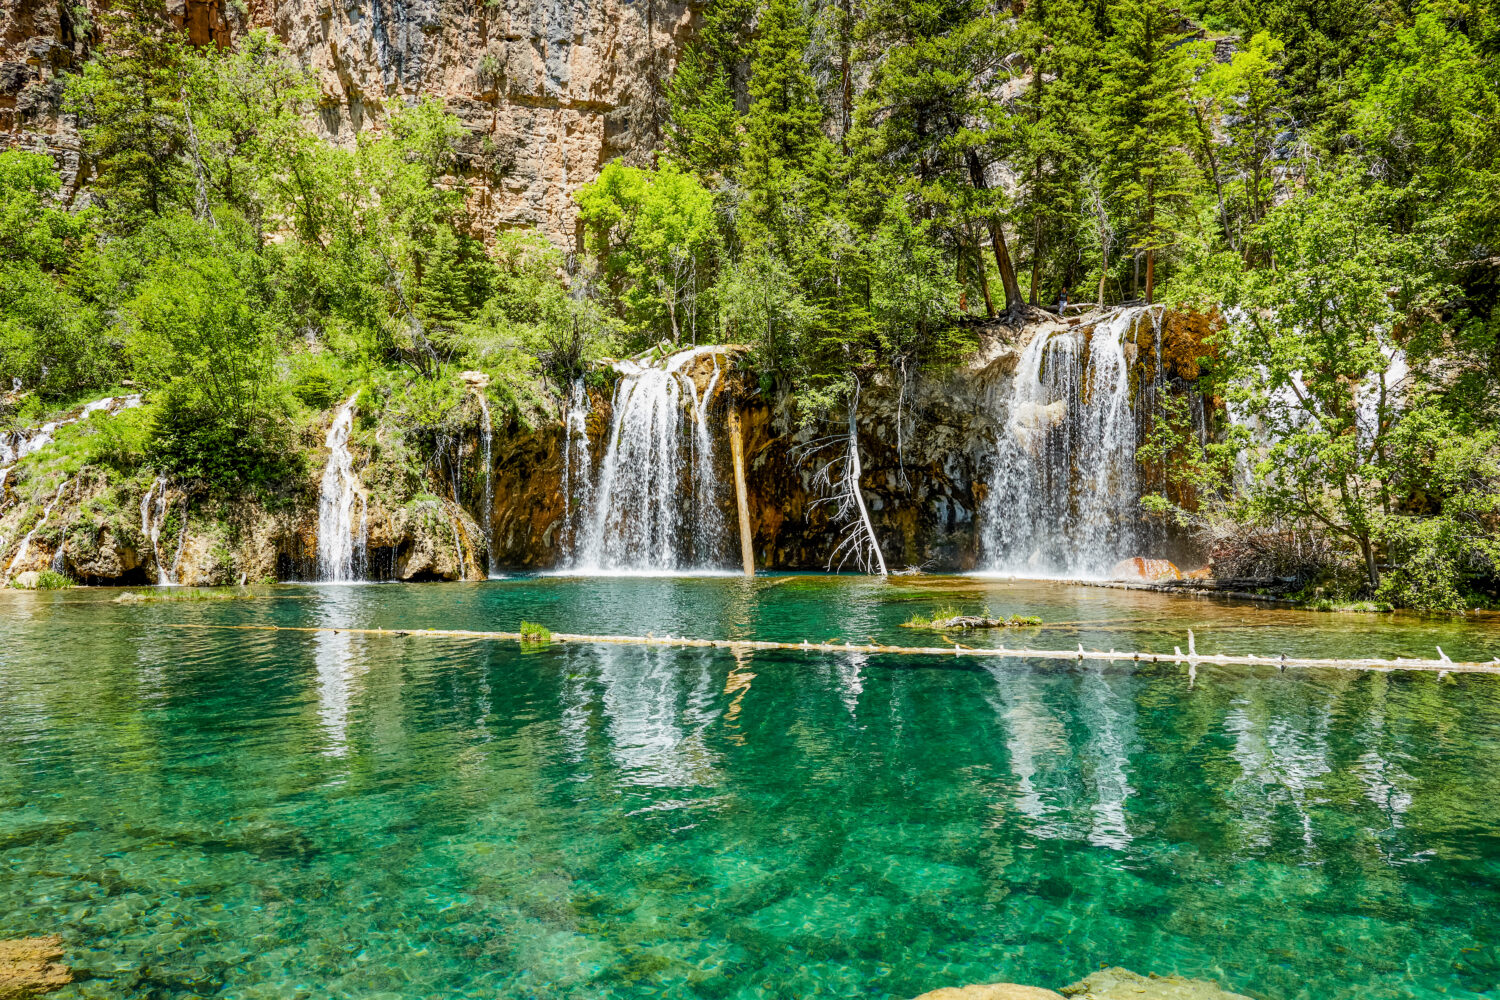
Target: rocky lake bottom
(204, 811)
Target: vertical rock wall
(549, 90)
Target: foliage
(44, 580)
(532, 632)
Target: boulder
(25, 581)
(27, 968)
(991, 991)
(1122, 984)
(1145, 570)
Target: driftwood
(1442, 666)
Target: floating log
(1283, 662)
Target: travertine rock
(1122, 984)
(991, 991)
(27, 968)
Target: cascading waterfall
(152, 518)
(1064, 496)
(577, 467)
(656, 504)
(336, 534)
(25, 547)
(487, 439)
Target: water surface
(203, 812)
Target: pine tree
(130, 107)
(1058, 41)
(1146, 123)
(786, 153)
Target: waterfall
(152, 518)
(1064, 495)
(487, 437)
(655, 506)
(576, 465)
(25, 546)
(336, 538)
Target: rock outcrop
(1122, 984)
(548, 91)
(28, 967)
(991, 991)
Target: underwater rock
(1122, 984)
(991, 991)
(1146, 570)
(27, 968)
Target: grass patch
(532, 632)
(44, 580)
(950, 618)
(1350, 607)
(181, 596)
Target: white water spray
(655, 507)
(1064, 494)
(336, 538)
(487, 437)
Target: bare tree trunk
(854, 473)
(1150, 273)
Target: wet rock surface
(1122, 984)
(991, 991)
(28, 967)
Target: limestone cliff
(548, 90)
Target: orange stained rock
(1148, 570)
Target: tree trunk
(1036, 259)
(997, 240)
(854, 474)
(1150, 273)
(984, 283)
(1368, 548)
(742, 503)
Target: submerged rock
(27, 968)
(991, 991)
(1122, 984)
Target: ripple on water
(250, 814)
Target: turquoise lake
(252, 814)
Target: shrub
(532, 632)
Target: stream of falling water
(1064, 497)
(152, 519)
(25, 547)
(655, 506)
(487, 438)
(336, 535)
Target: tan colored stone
(27, 968)
(991, 991)
(1122, 984)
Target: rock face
(549, 91)
(1122, 984)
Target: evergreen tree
(1146, 125)
(129, 101)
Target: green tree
(1146, 125)
(129, 101)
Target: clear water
(255, 814)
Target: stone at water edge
(1145, 570)
(26, 581)
(27, 968)
(991, 991)
(1122, 984)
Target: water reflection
(341, 661)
